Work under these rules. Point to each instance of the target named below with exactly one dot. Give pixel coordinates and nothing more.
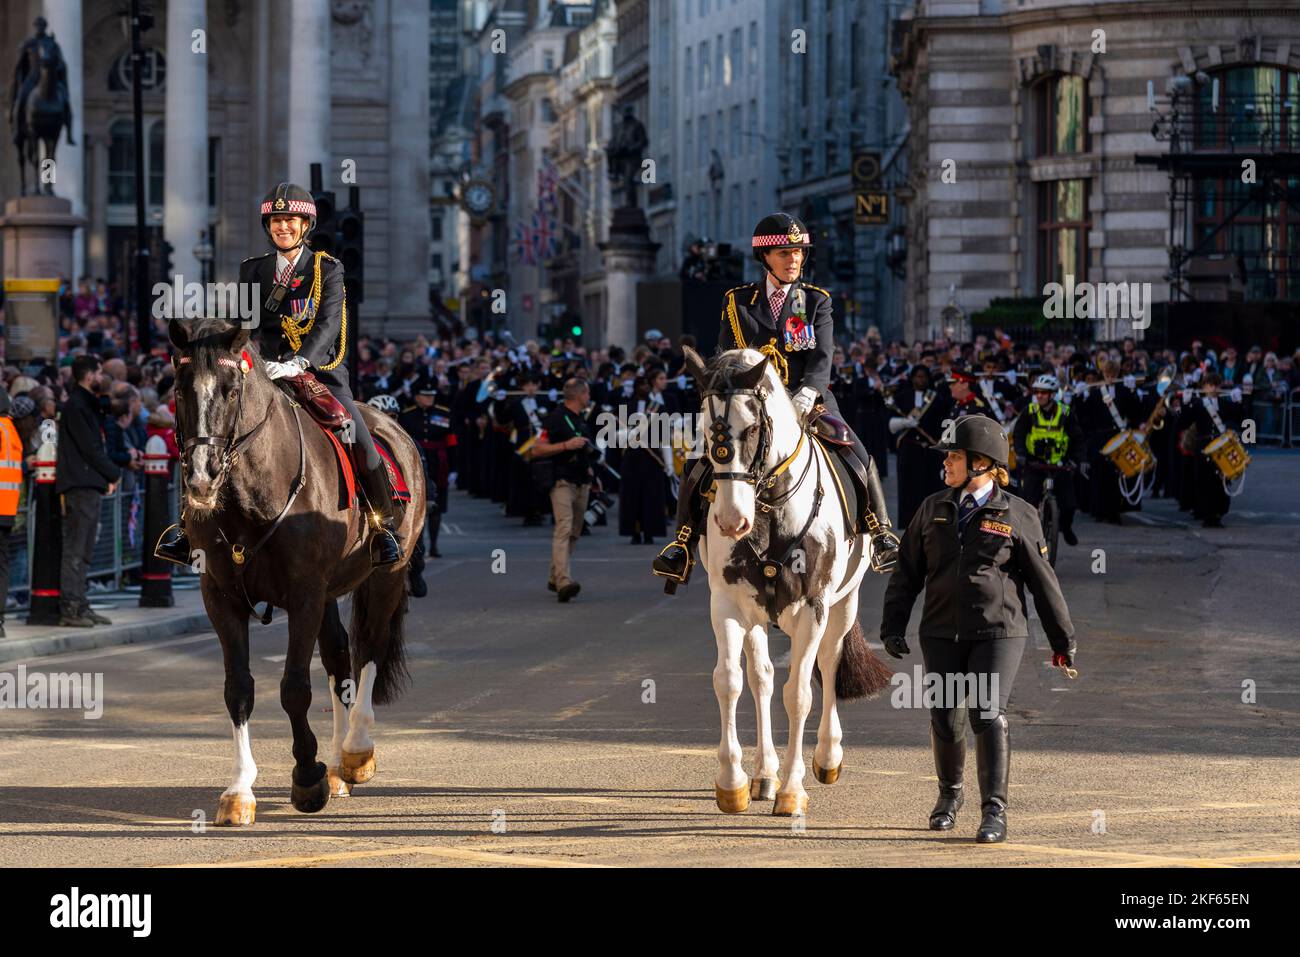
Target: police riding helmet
(288, 199)
(384, 403)
(780, 231)
(1046, 383)
(978, 435)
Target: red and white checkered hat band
(292, 206)
(781, 240)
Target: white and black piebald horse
(777, 548)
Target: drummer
(1211, 414)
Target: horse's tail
(378, 636)
(860, 673)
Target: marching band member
(1209, 414)
(1106, 409)
(974, 549)
(918, 426)
(643, 491)
(428, 422)
(1049, 432)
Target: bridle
(231, 447)
(229, 444)
(722, 447)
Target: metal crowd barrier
(1274, 415)
(119, 547)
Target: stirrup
(683, 541)
(158, 546)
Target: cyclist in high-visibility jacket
(1048, 432)
(11, 486)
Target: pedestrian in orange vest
(11, 484)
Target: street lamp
(204, 252)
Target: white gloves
(279, 370)
(803, 400)
(1235, 394)
(1130, 382)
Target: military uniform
(431, 429)
(798, 336)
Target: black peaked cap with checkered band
(288, 199)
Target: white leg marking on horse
(361, 718)
(829, 754)
(245, 772)
(340, 711)
(805, 637)
(727, 683)
(758, 665)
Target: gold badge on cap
(796, 234)
(279, 203)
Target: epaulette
(738, 288)
(819, 289)
(409, 408)
(263, 256)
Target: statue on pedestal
(39, 104)
(625, 154)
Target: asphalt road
(525, 739)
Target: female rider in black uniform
(974, 549)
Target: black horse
(268, 522)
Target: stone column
(64, 17)
(185, 181)
(629, 259)
(408, 164)
(97, 240)
(309, 92)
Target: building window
(688, 142)
(1258, 109)
(704, 141)
(437, 227)
(733, 63)
(735, 131)
(436, 260)
(735, 211)
(214, 164)
(548, 61)
(754, 140)
(706, 65)
(1062, 230)
(1061, 110)
(152, 77)
(690, 72)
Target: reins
(239, 554)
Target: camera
(598, 508)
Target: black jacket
(975, 584)
(325, 343)
(753, 328)
(83, 461)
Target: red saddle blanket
(348, 487)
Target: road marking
(96, 812)
(656, 607)
(451, 853)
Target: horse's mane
(210, 341)
(725, 366)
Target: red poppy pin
(297, 281)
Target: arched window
(121, 162)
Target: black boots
(993, 760)
(386, 546)
(173, 544)
(435, 524)
(884, 543)
(949, 761)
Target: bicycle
(1049, 509)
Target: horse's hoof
(236, 810)
(790, 805)
(338, 787)
(732, 800)
(310, 796)
(764, 789)
(357, 767)
(826, 775)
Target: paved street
(528, 715)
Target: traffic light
(168, 270)
(351, 241)
(576, 331)
(322, 239)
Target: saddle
(318, 401)
(848, 472)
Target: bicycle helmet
(384, 403)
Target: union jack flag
(544, 238)
(524, 248)
(548, 180)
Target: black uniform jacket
(747, 324)
(975, 582)
(325, 342)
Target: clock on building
(478, 198)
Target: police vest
(1047, 438)
(11, 467)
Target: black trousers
(80, 528)
(1031, 490)
(981, 660)
(6, 558)
(364, 441)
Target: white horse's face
(746, 446)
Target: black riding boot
(674, 562)
(993, 763)
(174, 544)
(884, 541)
(386, 545)
(415, 572)
(949, 763)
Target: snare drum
(1228, 455)
(1128, 452)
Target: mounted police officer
(302, 326)
(974, 549)
(791, 322)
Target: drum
(1228, 455)
(1010, 429)
(1128, 452)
